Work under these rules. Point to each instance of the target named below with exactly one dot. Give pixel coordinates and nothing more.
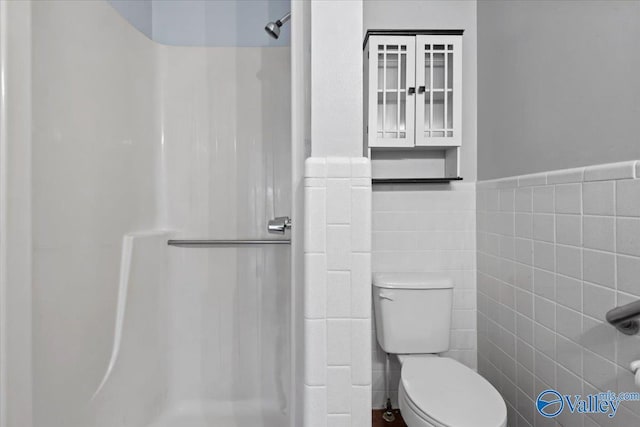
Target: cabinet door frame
(446, 141)
(373, 91)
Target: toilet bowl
(413, 316)
(442, 392)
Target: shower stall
(112, 144)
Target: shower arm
(280, 22)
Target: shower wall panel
(225, 121)
(94, 173)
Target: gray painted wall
(558, 85)
(439, 14)
(206, 22)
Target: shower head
(273, 28)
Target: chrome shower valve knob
(279, 225)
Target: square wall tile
(524, 277)
(569, 261)
(568, 323)
(545, 340)
(597, 337)
(543, 199)
(544, 284)
(524, 303)
(628, 236)
(597, 300)
(569, 230)
(524, 251)
(545, 313)
(598, 198)
(545, 369)
(523, 199)
(598, 232)
(628, 274)
(569, 198)
(569, 292)
(569, 355)
(544, 227)
(544, 255)
(628, 197)
(523, 225)
(599, 267)
(507, 199)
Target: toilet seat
(441, 392)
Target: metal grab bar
(625, 318)
(195, 243)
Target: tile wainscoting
(557, 250)
(337, 292)
(428, 227)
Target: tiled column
(337, 292)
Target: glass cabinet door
(391, 91)
(438, 87)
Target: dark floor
(377, 420)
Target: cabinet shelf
(443, 180)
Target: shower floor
(222, 414)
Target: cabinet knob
(411, 90)
(421, 89)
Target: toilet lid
(451, 394)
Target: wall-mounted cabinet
(413, 96)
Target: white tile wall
(431, 228)
(576, 256)
(337, 292)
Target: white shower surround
(124, 140)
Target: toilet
(413, 318)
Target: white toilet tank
(412, 311)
